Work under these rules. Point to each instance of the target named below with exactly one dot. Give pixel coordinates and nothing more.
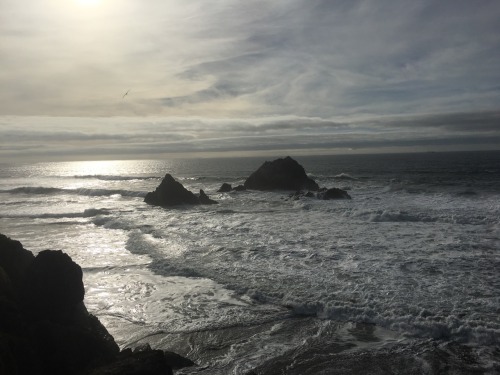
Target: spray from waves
(38, 190)
(400, 216)
(340, 176)
(423, 323)
(91, 212)
(344, 176)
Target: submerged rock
(280, 174)
(333, 193)
(226, 188)
(324, 194)
(171, 193)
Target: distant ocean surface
(402, 279)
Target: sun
(88, 3)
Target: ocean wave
(91, 212)
(38, 190)
(396, 216)
(400, 216)
(424, 325)
(381, 216)
(109, 222)
(345, 176)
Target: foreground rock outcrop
(171, 193)
(46, 329)
(280, 174)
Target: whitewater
(403, 278)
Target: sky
(131, 79)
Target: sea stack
(171, 193)
(281, 174)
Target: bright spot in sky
(88, 2)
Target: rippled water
(404, 274)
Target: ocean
(402, 279)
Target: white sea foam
(412, 256)
(90, 212)
(344, 176)
(79, 191)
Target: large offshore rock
(280, 174)
(171, 193)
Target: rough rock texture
(171, 193)
(225, 188)
(204, 199)
(14, 261)
(53, 286)
(280, 174)
(46, 329)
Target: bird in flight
(124, 95)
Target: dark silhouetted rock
(14, 261)
(280, 174)
(334, 193)
(53, 286)
(69, 348)
(225, 188)
(177, 361)
(148, 362)
(323, 193)
(172, 193)
(204, 199)
(50, 331)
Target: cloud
(221, 58)
(127, 137)
(220, 75)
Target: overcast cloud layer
(226, 75)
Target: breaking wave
(91, 212)
(423, 324)
(80, 191)
(345, 176)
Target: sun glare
(88, 3)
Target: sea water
(403, 278)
